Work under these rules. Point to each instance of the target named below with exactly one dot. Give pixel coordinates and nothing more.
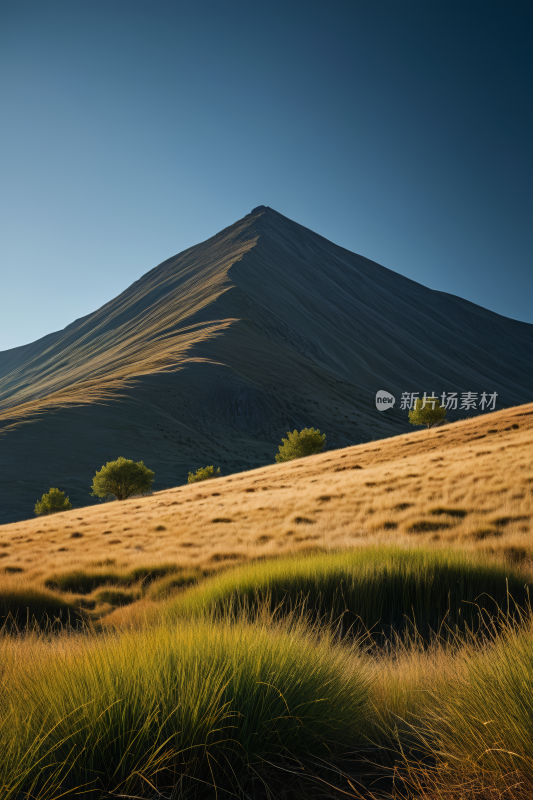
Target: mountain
(213, 355)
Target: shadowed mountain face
(213, 355)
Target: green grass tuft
(25, 607)
(209, 700)
(85, 582)
(381, 586)
(116, 597)
(166, 586)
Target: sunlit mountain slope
(213, 355)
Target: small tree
(122, 478)
(427, 415)
(52, 502)
(203, 474)
(298, 444)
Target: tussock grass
(217, 693)
(484, 726)
(461, 717)
(208, 700)
(23, 607)
(378, 588)
(84, 581)
(450, 512)
(179, 580)
(115, 597)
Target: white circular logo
(384, 400)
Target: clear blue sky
(133, 130)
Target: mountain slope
(213, 355)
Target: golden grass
(97, 357)
(467, 484)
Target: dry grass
(468, 484)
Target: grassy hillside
(219, 632)
(469, 484)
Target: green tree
(52, 502)
(428, 415)
(299, 444)
(203, 474)
(122, 478)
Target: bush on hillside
(307, 442)
(122, 478)
(52, 502)
(203, 474)
(427, 415)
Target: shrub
(203, 474)
(307, 442)
(122, 478)
(430, 414)
(52, 502)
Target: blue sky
(133, 130)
